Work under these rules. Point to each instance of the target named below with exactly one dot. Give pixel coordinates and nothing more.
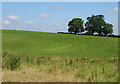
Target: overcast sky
(54, 16)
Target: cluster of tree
(94, 24)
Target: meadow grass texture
(65, 58)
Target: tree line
(95, 24)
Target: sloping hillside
(52, 44)
(49, 57)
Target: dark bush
(13, 63)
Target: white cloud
(12, 17)
(43, 15)
(28, 22)
(6, 22)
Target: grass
(64, 69)
(51, 44)
(63, 57)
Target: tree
(99, 26)
(90, 25)
(107, 29)
(71, 30)
(95, 24)
(100, 22)
(76, 26)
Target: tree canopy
(76, 26)
(94, 24)
(107, 29)
(97, 24)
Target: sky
(60, 0)
(54, 16)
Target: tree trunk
(105, 34)
(99, 33)
(92, 33)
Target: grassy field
(59, 57)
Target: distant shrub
(13, 63)
(38, 61)
(87, 33)
(112, 35)
(29, 60)
(4, 54)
